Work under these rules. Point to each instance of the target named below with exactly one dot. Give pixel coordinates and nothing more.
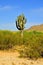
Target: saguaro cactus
(20, 22)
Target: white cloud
(7, 24)
(38, 10)
(5, 7)
(8, 7)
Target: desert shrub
(32, 41)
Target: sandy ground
(11, 58)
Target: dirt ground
(11, 58)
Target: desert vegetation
(31, 45)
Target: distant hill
(36, 28)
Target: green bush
(32, 41)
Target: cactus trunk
(22, 33)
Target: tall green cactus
(20, 22)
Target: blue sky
(10, 9)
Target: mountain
(36, 28)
